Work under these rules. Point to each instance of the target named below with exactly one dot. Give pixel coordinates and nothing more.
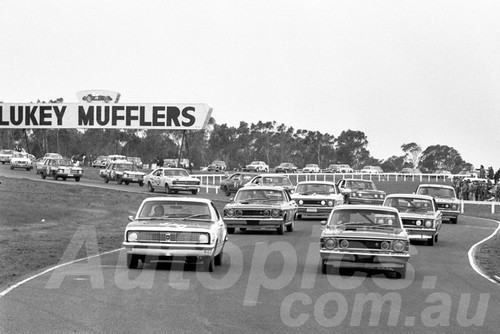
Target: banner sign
(104, 116)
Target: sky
(425, 71)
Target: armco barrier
(210, 184)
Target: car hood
(171, 224)
(366, 234)
(314, 195)
(254, 205)
(415, 215)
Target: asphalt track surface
(267, 284)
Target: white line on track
(472, 251)
(6, 291)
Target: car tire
(208, 264)
(64, 178)
(453, 220)
(218, 257)
(226, 191)
(42, 174)
(281, 229)
(290, 227)
(167, 188)
(430, 242)
(400, 273)
(106, 180)
(77, 179)
(141, 184)
(324, 267)
(230, 230)
(127, 183)
(11, 167)
(194, 191)
(436, 237)
(119, 180)
(132, 261)
(150, 187)
(54, 175)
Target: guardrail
(214, 179)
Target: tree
(393, 164)
(438, 157)
(351, 148)
(413, 152)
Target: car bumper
(258, 223)
(318, 212)
(364, 259)
(184, 187)
(447, 215)
(171, 250)
(421, 233)
(15, 165)
(375, 201)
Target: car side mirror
(131, 218)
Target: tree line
(267, 141)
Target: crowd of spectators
(483, 187)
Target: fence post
(462, 206)
(492, 207)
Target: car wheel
(194, 191)
(230, 230)
(141, 184)
(167, 188)
(119, 180)
(436, 237)
(218, 257)
(132, 261)
(150, 187)
(11, 167)
(54, 175)
(430, 242)
(226, 191)
(64, 178)
(400, 273)
(290, 227)
(77, 179)
(127, 183)
(453, 220)
(42, 175)
(324, 267)
(106, 180)
(281, 229)
(208, 263)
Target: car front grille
(168, 237)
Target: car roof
(432, 185)
(177, 199)
(428, 197)
(317, 182)
(259, 187)
(366, 207)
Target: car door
(291, 205)
(221, 229)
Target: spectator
(491, 173)
(482, 172)
(496, 177)
(160, 161)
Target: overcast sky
(400, 71)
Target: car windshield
(314, 188)
(276, 181)
(311, 165)
(63, 162)
(258, 195)
(406, 204)
(361, 185)
(6, 152)
(364, 218)
(125, 167)
(20, 155)
(185, 210)
(176, 172)
(437, 192)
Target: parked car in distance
(316, 199)
(122, 171)
(257, 166)
(22, 160)
(217, 166)
(235, 181)
(364, 237)
(261, 207)
(171, 180)
(278, 180)
(60, 168)
(372, 170)
(6, 155)
(339, 168)
(101, 161)
(357, 191)
(285, 167)
(175, 228)
(408, 170)
(53, 155)
(446, 199)
(136, 161)
(311, 168)
(38, 164)
(420, 215)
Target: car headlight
(354, 194)
(132, 236)
(301, 202)
(454, 207)
(385, 245)
(428, 223)
(376, 196)
(323, 202)
(330, 243)
(344, 244)
(330, 203)
(229, 213)
(238, 213)
(275, 213)
(267, 213)
(399, 245)
(203, 239)
(381, 195)
(418, 223)
(125, 175)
